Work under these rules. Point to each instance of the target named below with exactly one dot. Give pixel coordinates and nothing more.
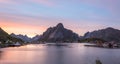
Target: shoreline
(101, 47)
(86, 45)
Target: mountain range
(59, 33)
(25, 38)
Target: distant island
(60, 34)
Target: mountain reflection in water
(74, 53)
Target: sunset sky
(33, 17)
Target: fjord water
(71, 54)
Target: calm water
(71, 54)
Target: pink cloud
(17, 24)
(21, 28)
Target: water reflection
(71, 54)
(55, 56)
(1, 54)
(23, 55)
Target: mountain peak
(109, 28)
(59, 34)
(60, 25)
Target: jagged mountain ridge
(26, 38)
(22, 37)
(59, 34)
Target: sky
(32, 17)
